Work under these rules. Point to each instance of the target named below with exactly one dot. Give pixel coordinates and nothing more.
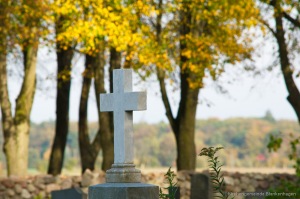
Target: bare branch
(295, 22)
(269, 27)
(165, 98)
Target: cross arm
(135, 101)
(106, 102)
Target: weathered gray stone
(68, 194)
(25, 194)
(123, 178)
(10, 192)
(123, 173)
(2, 187)
(250, 188)
(237, 189)
(41, 186)
(38, 180)
(123, 191)
(254, 182)
(229, 180)
(49, 179)
(229, 188)
(8, 183)
(185, 185)
(245, 180)
(76, 181)
(258, 176)
(31, 188)
(200, 187)
(17, 197)
(263, 184)
(122, 102)
(18, 188)
(87, 178)
(66, 183)
(85, 190)
(52, 187)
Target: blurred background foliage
(245, 141)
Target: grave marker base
(123, 173)
(123, 191)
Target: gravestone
(123, 180)
(72, 193)
(200, 187)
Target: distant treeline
(244, 139)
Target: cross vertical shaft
(122, 102)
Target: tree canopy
(182, 41)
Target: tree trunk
(105, 131)
(64, 63)
(114, 63)
(104, 137)
(87, 155)
(9, 130)
(294, 94)
(183, 125)
(184, 128)
(16, 130)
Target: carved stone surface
(200, 187)
(123, 179)
(122, 102)
(72, 193)
(123, 173)
(123, 191)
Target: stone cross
(122, 102)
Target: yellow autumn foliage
(217, 36)
(25, 22)
(96, 20)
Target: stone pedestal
(123, 173)
(123, 179)
(123, 191)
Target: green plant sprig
(172, 186)
(215, 171)
(274, 144)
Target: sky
(248, 95)
(244, 99)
